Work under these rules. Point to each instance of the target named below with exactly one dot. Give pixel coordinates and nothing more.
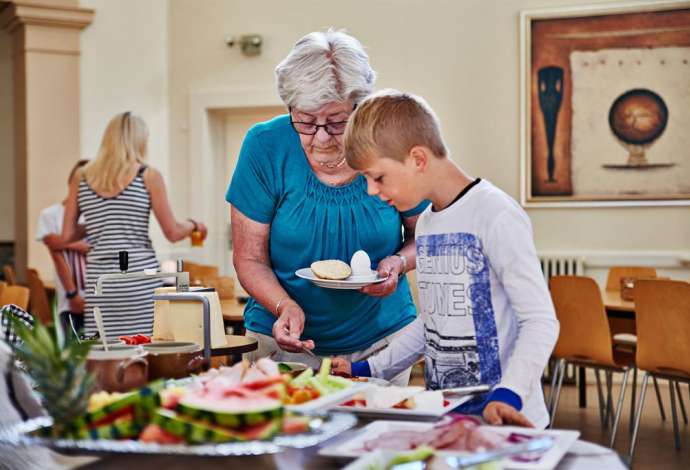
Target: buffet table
(582, 456)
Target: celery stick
(302, 379)
(325, 368)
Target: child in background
(69, 260)
(486, 313)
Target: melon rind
(232, 419)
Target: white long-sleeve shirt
(486, 312)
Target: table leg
(582, 387)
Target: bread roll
(331, 269)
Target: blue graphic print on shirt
(455, 296)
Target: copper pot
(120, 369)
(173, 360)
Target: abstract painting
(605, 105)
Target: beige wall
(124, 67)
(462, 56)
(6, 140)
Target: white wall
(6, 140)
(463, 56)
(124, 67)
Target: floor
(655, 442)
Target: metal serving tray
(323, 427)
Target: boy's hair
(76, 166)
(388, 124)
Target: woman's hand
(497, 413)
(54, 242)
(390, 266)
(202, 228)
(340, 366)
(288, 328)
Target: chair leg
(560, 370)
(658, 399)
(600, 395)
(682, 404)
(638, 415)
(619, 408)
(632, 399)
(609, 397)
(674, 415)
(554, 378)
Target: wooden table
(237, 345)
(233, 314)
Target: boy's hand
(497, 413)
(76, 305)
(340, 366)
(391, 267)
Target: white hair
(323, 68)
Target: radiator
(561, 265)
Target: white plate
(352, 282)
(354, 447)
(403, 414)
(328, 401)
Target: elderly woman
(295, 201)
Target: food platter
(322, 428)
(404, 413)
(562, 441)
(351, 283)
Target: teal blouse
(274, 184)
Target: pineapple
(58, 371)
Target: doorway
(231, 126)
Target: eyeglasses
(311, 128)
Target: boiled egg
(361, 264)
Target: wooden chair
(10, 275)
(585, 341)
(662, 310)
(18, 295)
(3, 284)
(39, 305)
(628, 341)
(616, 273)
(224, 285)
(199, 274)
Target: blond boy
(486, 313)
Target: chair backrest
(585, 332)
(3, 284)
(200, 274)
(10, 276)
(38, 304)
(662, 315)
(17, 295)
(224, 285)
(616, 273)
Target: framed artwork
(605, 105)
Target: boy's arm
(513, 257)
(63, 271)
(400, 354)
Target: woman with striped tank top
(116, 193)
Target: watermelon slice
(198, 432)
(232, 412)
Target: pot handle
(195, 362)
(120, 375)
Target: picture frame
(604, 106)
